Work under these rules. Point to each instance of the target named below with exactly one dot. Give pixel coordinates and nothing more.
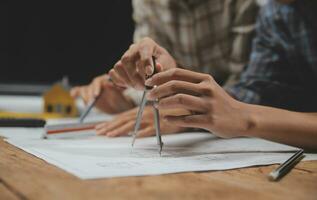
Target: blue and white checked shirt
(282, 71)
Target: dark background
(42, 41)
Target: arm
(212, 109)
(283, 126)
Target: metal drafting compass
(155, 111)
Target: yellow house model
(57, 100)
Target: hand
(124, 123)
(111, 100)
(210, 107)
(136, 62)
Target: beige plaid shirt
(211, 36)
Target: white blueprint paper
(101, 157)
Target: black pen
(284, 168)
(88, 108)
(93, 102)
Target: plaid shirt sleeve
(272, 77)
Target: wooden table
(23, 176)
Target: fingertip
(159, 67)
(149, 70)
(98, 132)
(112, 134)
(111, 75)
(149, 82)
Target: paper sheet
(34, 104)
(21, 133)
(101, 157)
(28, 104)
(37, 133)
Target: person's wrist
(247, 117)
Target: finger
(129, 61)
(131, 55)
(174, 87)
(122, 130)
(146, 53)
(188, 121)
(116, 80)
(97, 86)
(127, 114)
(184, 101)
(140, 70)
(84, 94)
(147, 131)
(175, 74)
(75, 92)
(100, 128)
(159, 67)
(121, 73)
(138, 81)
(90, 92)
(101, 125)
(110, 83)
(117, 123)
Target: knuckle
(154, 92)
(117, 67)
(173, 85)
(146, 39)
(205, 89)
(208, 78)
(209, 105)
(112, 73)
(119, 62)
(173, 72)
(125, 58)
(180, 98)
(132, 46)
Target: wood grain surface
(23, 176)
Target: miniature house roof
(57, 94)
(58, 100)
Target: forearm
(293, 128)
